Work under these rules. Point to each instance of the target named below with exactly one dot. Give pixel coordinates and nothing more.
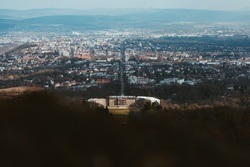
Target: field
(20, 89)
(120, 113)
(15, 91)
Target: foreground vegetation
(47, 129)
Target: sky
(92, 4)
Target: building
(102, 81)
(85, 56)
(121, 100)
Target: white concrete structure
(100, 101)
(152, 99)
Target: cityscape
(118, 84)
(141, 59)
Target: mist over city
(124, 83)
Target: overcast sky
(87, 4)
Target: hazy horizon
(224, 5)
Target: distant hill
(6, 24)
(24, 14)
(181, 15)
(70, 19)
(86, 22)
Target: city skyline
(84, 4)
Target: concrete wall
(100, 101)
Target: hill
(70, 19)
(46, 129)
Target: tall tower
(92, 54)
(72, 52)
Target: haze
(87, 4)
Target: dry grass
(120, 114)
(14, 91)
(119, 111)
